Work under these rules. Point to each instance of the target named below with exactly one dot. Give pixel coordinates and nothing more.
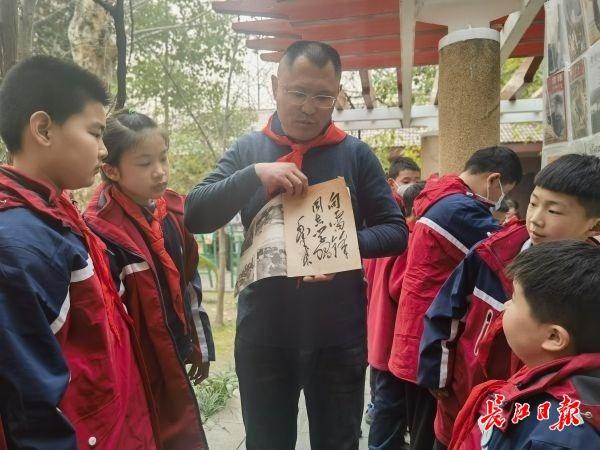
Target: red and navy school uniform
(167, 342)
(70, 372)
(554, 406)
(451, 219)
(384, 280)
(463, 325)
(463, 342)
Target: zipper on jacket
(484, 329)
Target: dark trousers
(421, 407)
(270, 380)
(389, 411)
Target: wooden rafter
(399, 84)
(408, 17)
(368, 92)
(515, 27)
(343, 101)
(522, 78)
(433, 96)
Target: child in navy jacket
(551, 324)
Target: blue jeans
(270, 380)
(389, 411)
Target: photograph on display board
(578, 99)
(555, 129)
(592, 15)
(576, 35)
(555, 54)
(593, 80)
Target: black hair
(561, 283)
(401, 163)
(43, 83)
(410, 195)
(317, 53)
(574, 175)
(496, 159)
(124, 129)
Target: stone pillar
(469, 95)
(430, 154)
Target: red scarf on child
(332, 135)
(60, 207)
(153, 234)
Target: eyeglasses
(298, 98)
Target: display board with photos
(572, 81)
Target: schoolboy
(551, 324)
(454, 213)
(462, 343)
(384, 280)
(68, 372)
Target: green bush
(214, 392)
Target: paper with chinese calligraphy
(319, 229)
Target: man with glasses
(301, 334)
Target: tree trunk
(222, 244)
(8, 34)
(118, 14)
(93, 44)
(222, 239)
(26, 28)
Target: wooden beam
(342, 101)
(433, 96)
(399, 84)
(538, 93)
(374, 61)
(268, 27)
(515, 27)
(522, 78)
(408, 16)
(262, 8)
(368, 92)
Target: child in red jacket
(551, 324)
(384, 278)
(71, 375)
(462, 343)
(454, 213)
(154, 260)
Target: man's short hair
(411, 193)
(43, 83)
(496, 159)
(577, 176)
(316, 52)
(561, 283)
(401, 163)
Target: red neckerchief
(332, 135)
(60, 207)
(153, 234)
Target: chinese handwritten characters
(320, 233)
(568, 413)
(311, 235)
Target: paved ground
(225, 431)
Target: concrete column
(430, 154)
(469, 95)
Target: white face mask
(498, 203)
(401, 188)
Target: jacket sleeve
(385, 232)
(442, 326)
(33, 373)
(201, 320)
(219, 197)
